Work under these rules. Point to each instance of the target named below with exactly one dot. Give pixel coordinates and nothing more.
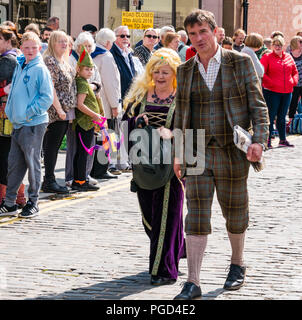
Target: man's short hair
(116, 30)
(183, 34)
(200, 16)
(164, 30)
(52, 20)
(46, 29)
(228, 41)
(268, 41)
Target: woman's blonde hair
(144, 82)
(55, 37)
(295, 42)
(279, 40)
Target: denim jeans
(278, 104)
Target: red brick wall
(265, 16)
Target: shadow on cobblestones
(116, 289)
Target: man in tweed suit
(217, 89)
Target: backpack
(296, 124)
(147, 174)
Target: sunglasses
(150, 36)
(124, 36)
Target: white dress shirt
(210, 75)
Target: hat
(85, 59)
(90, 28)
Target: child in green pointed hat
(85, 59)
(87, 111)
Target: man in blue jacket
(30, 97)
(124, 61)
(123, 57)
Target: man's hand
(114, 112)
(254, 152)
(6, 89)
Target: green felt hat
(85, 59)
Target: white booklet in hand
(242, 138)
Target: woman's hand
(144, 116)
(61, 114)
(165, 133)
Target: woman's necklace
(167, 100)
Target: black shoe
(53, 187)
(161, 281)
(190, 291)
(235, 279)
(29, 211)
(108, 175)
(84, 187)
(6, 211)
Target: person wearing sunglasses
(123, 57)
(144, 51)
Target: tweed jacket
(243, 101)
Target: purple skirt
(164, 227)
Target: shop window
(3, 12)
(30, 11)
(183, 8)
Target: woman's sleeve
(53, 69)
(265, 62)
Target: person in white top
(110, 77)
(254, 42)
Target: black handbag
(155, 170)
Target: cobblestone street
(93, 246)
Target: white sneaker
(92, 181)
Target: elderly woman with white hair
(110, 77)
(86, 40)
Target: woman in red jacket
(279, 79)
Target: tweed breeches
(226, 171)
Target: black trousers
(5, 143)
(53, 138)
(297, 93)
(80, 158)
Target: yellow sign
(138, 20)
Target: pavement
(92, 246)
